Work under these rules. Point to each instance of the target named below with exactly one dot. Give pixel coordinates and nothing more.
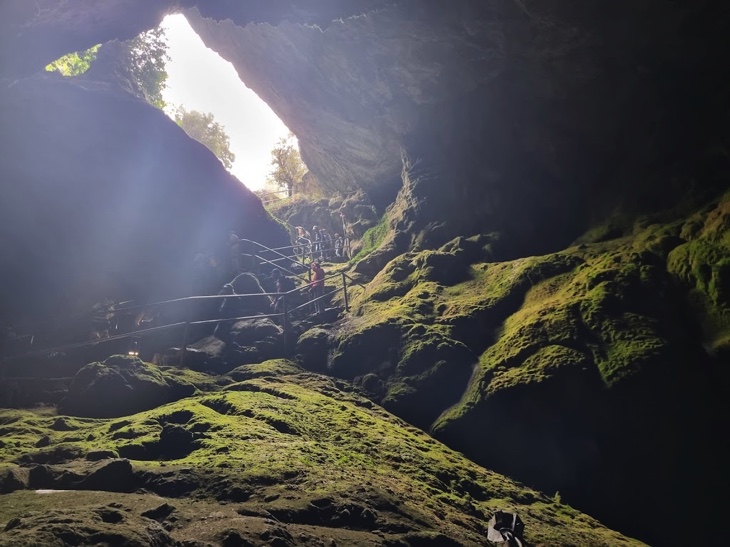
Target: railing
(307, 248)
(285, 315)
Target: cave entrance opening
(175, 71)
(199, 79)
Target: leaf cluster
(287, 168)
(74, 64)
(144, 58)
(203, 128)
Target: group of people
(321, 245)
(286, 284)
(318, 243)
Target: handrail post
(286, 324)
(344, 290)
(186, 332)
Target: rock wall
(598, 372)
(103, 195)
(33, 34)
(520, 115)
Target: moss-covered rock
(313, 348)
(119, 386)
(290, 455)
(703, 265)
(270, 368)
(577, 353)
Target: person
(234, 248)
(326, 244)
(101, 315)
(228, 309)
(338, 246)
(317, 239)
(303, 239)
(283, 284)
(316, 286)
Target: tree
(203, 128)
(288, 169)
(146, 58)
(74, 64)
(143, 58)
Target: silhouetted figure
(283, 285)
(326, 244)
(316, 240)
(101, 316)
(316, 287)
(228, 310)
(234, 251)
(304, 243)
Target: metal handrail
(282, 268)
(262, 246)
(187, 324)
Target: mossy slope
(294, 447)
(703, 263)
(575, 356)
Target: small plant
(557, 500)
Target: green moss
(703, 264)
(301, 434)
(272, 368)
(373, 238)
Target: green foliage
(146, 57)
(74, 64)
(287, 168)
(203, 128)
(372, 238)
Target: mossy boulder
(207, 354)
(120, 386)
(255, 340)
(313, 348)
(12, 479)
(249, 332)
(270, 368)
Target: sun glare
(199, 79)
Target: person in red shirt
(316, 286)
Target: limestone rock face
(103, 195)
(354, 91)
(526, 118)
(33, 34)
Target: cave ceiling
(582, 92)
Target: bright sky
(199, 79)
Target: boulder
(206, 354)
(121, 386)
(257, 333)
(114, 475)
(12, 479)
(312, 349)
(247, 283)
